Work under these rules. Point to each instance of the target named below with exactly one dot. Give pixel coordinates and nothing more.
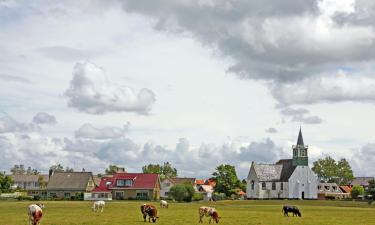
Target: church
(287, 178)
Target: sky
(196, 83)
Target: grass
(232, 213)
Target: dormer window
(125, 182)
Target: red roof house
(130, 186)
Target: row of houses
(119, 186)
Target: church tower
(300, 152)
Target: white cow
(35, 214)
(98, 205)
(163, 204)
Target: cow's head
(299, 213)
(216, 217)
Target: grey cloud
(44, 118)
(284, 42)
(265, 152)
(91, 132)
(64, 53)
(9, 125)
(364, 160)
(12, 78)
(271, 130)
(91, 92)
(300, 115)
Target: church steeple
(300, 157)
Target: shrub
(218, 196)
(357, 190)
(182, 192)
(197, 196)
(36, 198)
(22, 198)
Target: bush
(357, 190)
(218, 196)
(22, 198)
(197, 196)
(182, 192)
(36, 198)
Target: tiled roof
(199, 182)
(268, 172)
(363, 181)
(69, 181)
(287, 169)
(140, 181)
(346, 189)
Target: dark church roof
(287, 169)
(300, 138)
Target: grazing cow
(35, 214)
(98, 205)
(209, 212)
(163, 204)
(293, 209)
(151, 211)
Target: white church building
(287, 178)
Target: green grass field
(232, 213)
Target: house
(206, 187)
(167, 183)
(65, 185)
(287, 178)
(125, 185)
(33, 184)
(331, 191)
(362, 181)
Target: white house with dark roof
(288, 178)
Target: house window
(327, 188)
(252, 185)
(319, 187)
(263, 185)
(273, 186)
(127, 182)
(334, 188)
(167, 184)
(52, 195)
(281, 186)
(66, 195)
(91, 183)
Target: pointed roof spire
(300, 138)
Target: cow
(35, 213)
(163, 204)
(151, 211)
(293, 209)
(209, 212)
(98, 205)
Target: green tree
(18, 169)
(6, 183)
(31, 171)
(357, 190)
(226, 179)
(182, 192)
(329, 171)
(326, 168)
(371, 188)
(166, 170)
(111, 169)
(344, 172)
(68, 169)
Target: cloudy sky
(194, 82)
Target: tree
(31, 171)
(6, 182)
(111, 169)
(18, 169)
(166, 170)
(329, 171)
(182, 192)
(344, 172)
(57, 168)
(226, 179)
(357, 190)
(68, 169)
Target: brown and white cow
(35, 214)
(209, 212)
(149, 210)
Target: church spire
(300, 157)
(300, 138)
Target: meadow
(232, 212)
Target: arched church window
(252, 185)
(263, 185)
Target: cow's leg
(144, 217)
(209, 221)
(200, 219)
